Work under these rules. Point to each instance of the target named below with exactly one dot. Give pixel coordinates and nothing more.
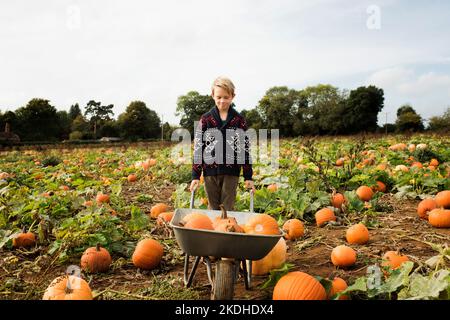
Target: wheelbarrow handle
(191, 204)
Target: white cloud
(428, 93)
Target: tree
(98, 114)
(408, 119)
(139, 122)
(278, 108)
(11, 118)
(74, 111)
(320, 111)
(64, 123)
(38, 120)
(191, 107)
(441, 123)
(80, 124)
(362, 108)
(253, 118)
(405, 109)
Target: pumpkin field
(364, 217)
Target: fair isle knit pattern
(221, 148)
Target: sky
(70, 51)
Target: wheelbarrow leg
(248, 264)
(188, 279)
(209, 270)
(245, 273)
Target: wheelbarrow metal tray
(198, 242)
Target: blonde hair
(224, 83)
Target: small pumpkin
(343, 256)
(164, 218)
(147, 254)
(443, 199)
(102, 198)
(132, 177)
(337, 200)
(95, 259)
(425, 206)
(261, 224)
(338, 285)
(364, 193)
(197, 220)
(434, 162)
(380, 187)
(393, 259)
(274, 259)
(298, 285)
(417, 164)
(68, 288)
(323, 216)
(224, 223)
(157, 209)
(340, 162)
(24, 240)
(293, 229)
(439, 218)
(272, 187)
(357, 234)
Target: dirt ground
(26, 274)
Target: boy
(220, 153)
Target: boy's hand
(249, 184)
(194, 185)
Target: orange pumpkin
(343, 256)
(380, 187)
(424, 207)
(147, 254)
(294, 229)
(224, 223)
(157, 209)
(261, 224)
(102, 198)
(272, 187)
(364, 193)
(274, 259)
(24, 240)
(393, 260)
(337, 200)
(164, 218)
(357, 234)
(324, 215)
(95, 259)
(443, 199)
(340, 162)
(197, 220)
(439, 218)
(298, 285)
(417, 165)
(68, 288)
(338, 285)
(132, 177)
(434, 163)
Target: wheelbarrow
(230, 250)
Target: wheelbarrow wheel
(224, 280)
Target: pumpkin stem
(224, 212)
(98, 246)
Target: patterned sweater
(221, 147)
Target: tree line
(315, 110)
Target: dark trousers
(221, 189)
